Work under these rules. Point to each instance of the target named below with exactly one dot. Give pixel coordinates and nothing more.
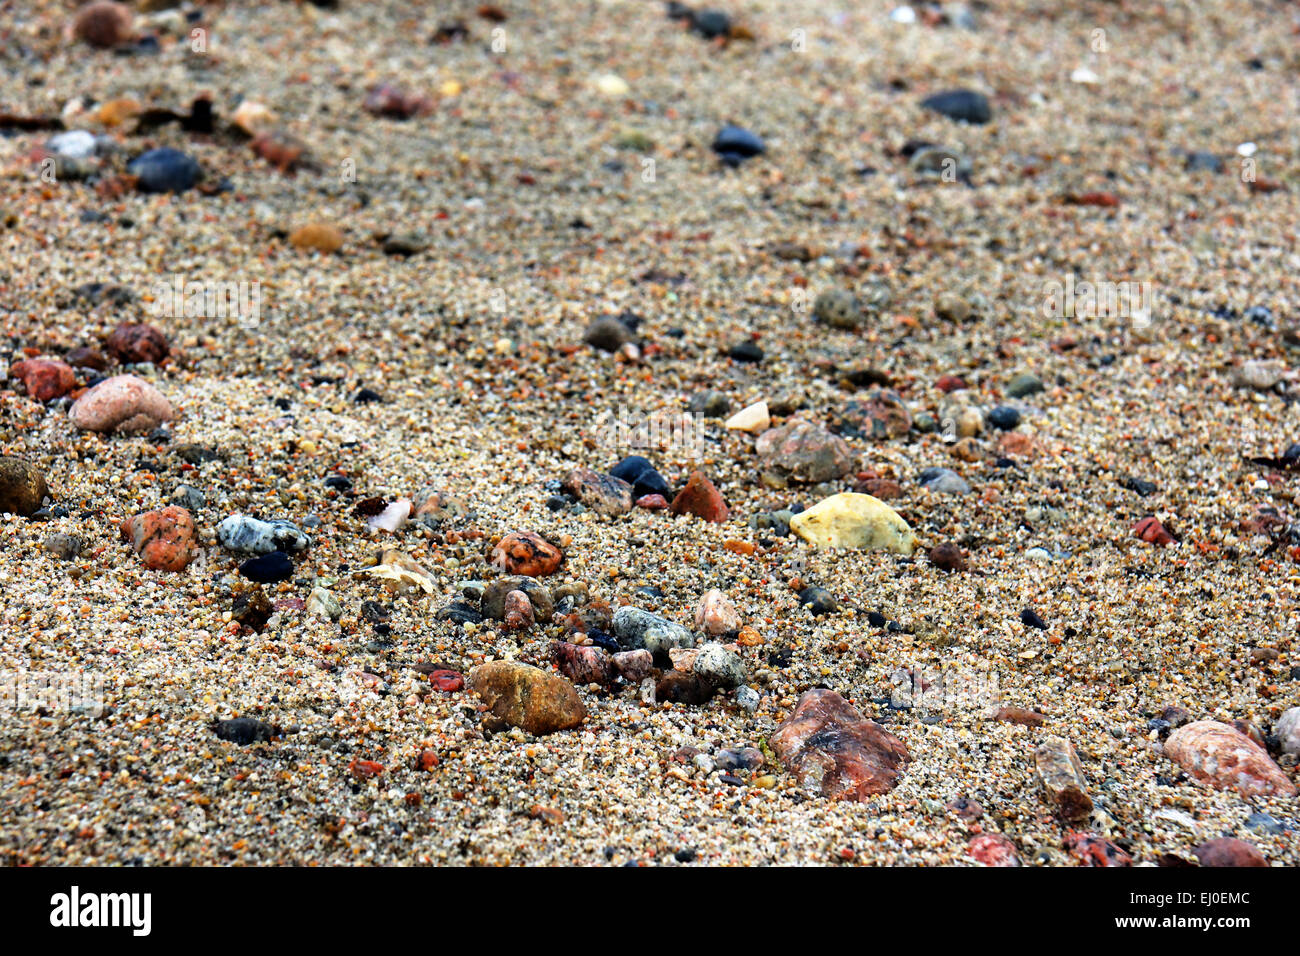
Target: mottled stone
(882, 416)
(527, 553)
(123, 403)
(1222, 757)
(22, 487)
(603, 494)
(322, 603)
(583, 664)
(993, 849)
(166, 539)
(63, 546)
(634, 666)
(636, 628)
(1062, 778)
(1092, 850)
(44, 379)
(253, 536)
(829, 746)
(1019, 715)
(805, 452)
(700, 498)
(716, 614)
(850, 520)
(719, 665)
(684, 687)
(518, 695)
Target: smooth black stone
(819, 600)
(460, 613)
(966, 106)
(165, 170)
(711, 23)
(735, 141)
(338, 483)
(1029, 617)
(1004, 417)
(268, 569)
(1140, 485)
(746, 352)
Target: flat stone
(751, 418)
(1062, 779)
(830, 748)
(636, 628)
(851, 520)
(805, 452)
(519, 695)
(1222, 757)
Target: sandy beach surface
(557, 170)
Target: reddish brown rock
(950, 383)
(103, 24)
(886, 489)
(517, 611)
(582, 664)
(993, 849)
(1062, 779)
(804, 452)
(652, 502)
(1222, 757)
(1092, 850)
(278, 148)
(634, 666)
(133, 343)
(1019, 715)
(165, 539)
(827, 745)
(22, 487)
(684, 687)
(517, 695)
(85, 357)
(44, 379)
(700, 498)
(121, 403)
(1227, 851)
(603, 494)
(394, 103)
(947, 557)
(527, 553)
(1152, 531)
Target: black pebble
(165, 170)
(819, 600)
(338, 483)
(1030, 618)
(268, 569)
(244, 730)
(966, 106)
(367, 395)
(686, 856)
(746, 352)
(1004, 417)
(1141, 486)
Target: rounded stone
(22, 487)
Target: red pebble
(447, 681)
(993, 849)
(951, 383)
(428, 759)
(1152, 531)
(700, 498)
(1091, 850)
(364, 769)
(44, 379)
(652, 502)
